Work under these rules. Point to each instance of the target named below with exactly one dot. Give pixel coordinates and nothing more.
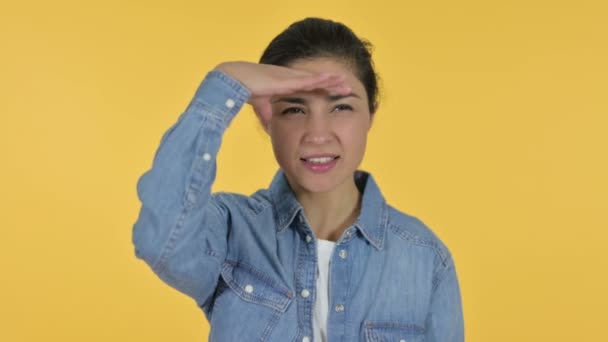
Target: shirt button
(207, 157)
(230, 103)
(349, 233)
(308, 238)
(305, 293)
(306, 339)
(343, 254)
(249, 288)
(402, 340)
(339, 308)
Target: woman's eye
(292, 110)
(342, 107)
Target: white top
(321, 308)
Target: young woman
(317, 256)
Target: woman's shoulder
(413, 230)
(255, 203)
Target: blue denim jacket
(245, 260)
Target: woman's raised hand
(265, 81)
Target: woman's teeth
(321, 160)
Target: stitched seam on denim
(191, 186)
(233, 83)
(394, 325)
(298, 334)
(261, 275)
(372, 335)
(348, 294)
(384, 223)
(440, 274)
(263, 197)
(242, 92)
(300, 277)
(256, 206)
(279, 305)
(212, 253)
(367, 335)
(160, 264)
(414, 239)
(269, 327)
(220, 118)
(370, 238)
(211, 204)
(234, 199)
(195, 185)
(279, 300)
(294, 213)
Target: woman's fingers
(342, 89)
(309, 83)
(324, 83)
(263, 108)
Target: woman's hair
(316, 37)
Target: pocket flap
(256, 287)
(388, 331)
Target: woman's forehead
(322, 64)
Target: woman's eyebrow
(296, 100)
(333, 98)
(302, 101)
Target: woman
(319, 255)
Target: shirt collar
(372, 220)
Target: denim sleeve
(445, 322)
(181, 231)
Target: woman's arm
(445, 321)
(181, 231)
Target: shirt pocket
(254, 286)
(391, 331)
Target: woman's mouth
(320, 164)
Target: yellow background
(492, 129)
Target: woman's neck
(330, 213)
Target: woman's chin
(316, 183)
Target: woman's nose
(318, 129)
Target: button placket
(307, 283)
(339, 282)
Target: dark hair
(316, 37)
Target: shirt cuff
(219, 96)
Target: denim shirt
(246, 260)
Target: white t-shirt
(319, 318)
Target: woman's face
(318, 139)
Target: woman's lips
(320, 163)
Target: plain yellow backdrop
(492, 129)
